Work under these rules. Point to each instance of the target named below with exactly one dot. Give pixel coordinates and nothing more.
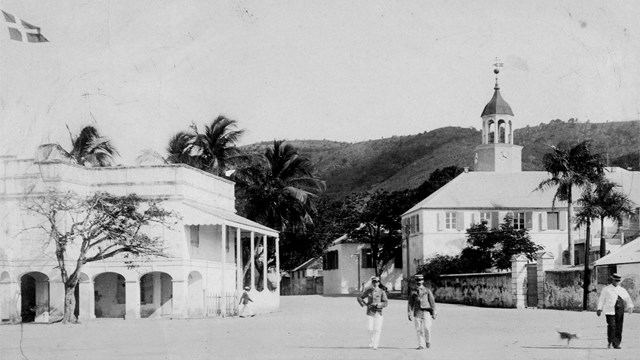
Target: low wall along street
(490, 289)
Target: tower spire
(497, 65)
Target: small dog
(567, 335)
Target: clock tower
(497, 152)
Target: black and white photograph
(300, 179)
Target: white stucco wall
(344, 280)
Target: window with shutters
(451, 220)
(485, 216)
(519, 220)
(330, 260)
(553, 220)
(367, 259)
(411, 224)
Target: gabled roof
(625, 254)
(314, 263)
(491, 190)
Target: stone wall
(563, 289)
(490, 290)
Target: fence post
(518, 277)
(545, 262)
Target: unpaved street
(316, 327)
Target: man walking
(613, 300)
(374, 298)
(422, 311)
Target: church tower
(497, 152)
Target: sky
(337, 70)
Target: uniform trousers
(423, 328)
(375, 328)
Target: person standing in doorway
(421, 310)
(375, 299)
(614, 300)
(244, 302)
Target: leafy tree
(96, 227)
(441, 264)
(495, 248)
(87, 149)
(380, 224)
(569, 167)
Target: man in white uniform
(613, 300)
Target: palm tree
(276, 190)
(576, 166)
(87, 149)
(589, 209)
(613, 205)
(213, 149)
(279, 187)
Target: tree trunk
(603, 244)
(69, 304)
(587, 275)
(572, 250)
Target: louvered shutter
(528, 220)
(440, 220)
(460, 220)
(495, 220)
(563, 220)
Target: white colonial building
(497, 187)
(200, 277)
(348, 266)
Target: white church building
(497, 187)
(202, 275)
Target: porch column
(239, 265)
(132, 297)
(277, 245)
(264, 262)
(223, 257)
(253, 254)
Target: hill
(402, 162)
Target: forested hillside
(402, 162)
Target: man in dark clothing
(422, 311)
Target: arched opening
(196, 295)
(156, 294)
(502, 132)
(34, 291)
(109, 295)
(491, 128)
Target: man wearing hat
(422, 310)
(613, 300)
(374, 298)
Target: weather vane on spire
(496, 70)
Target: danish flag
(21, 30)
